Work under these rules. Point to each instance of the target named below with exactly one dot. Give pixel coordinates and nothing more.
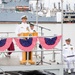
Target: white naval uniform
(21, 28)
(68, 55)
(31, 30)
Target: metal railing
(52, 53)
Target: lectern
(24, 54)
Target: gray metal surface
(66, 73)
(57, 69)
(16, 16)
(12, 61)
(13, 64)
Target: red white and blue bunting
(49, 43)
(26, 44)
(5, 43)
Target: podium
(24, 54)
(29, 34)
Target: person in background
(31, 28)
(68, 54)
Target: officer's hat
(24, 17)
(31, 24)
(68, 40)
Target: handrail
(25, 36)
(14, 32)
(32, 51)
(6, 32)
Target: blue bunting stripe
(2, 42)
(5, 43)
(26, 45)
(48, 43)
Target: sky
(49, 3)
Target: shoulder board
(27, 22)
(19, 23)
(64, 45)
(70, 44)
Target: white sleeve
(28, 25)
(64, 52)
(73, 50)
(34, 28)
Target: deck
(13, 64)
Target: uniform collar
(24, 23)
(68, 44)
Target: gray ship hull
(8, 12)
(17, 17)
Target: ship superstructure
(12, 10)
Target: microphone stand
(42, 57)
(41, 27)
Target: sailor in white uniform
(68, 54)
(22, 28)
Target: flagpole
(62, 30)
(36, 25)
(37, 14)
